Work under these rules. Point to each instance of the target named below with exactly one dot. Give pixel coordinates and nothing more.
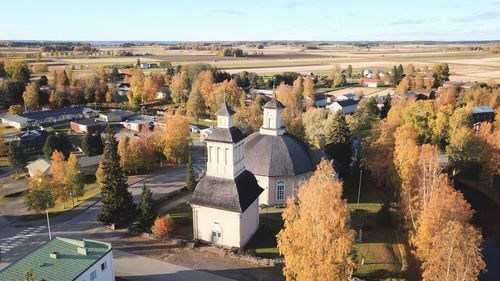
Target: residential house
(462, 86)
(40, 165)
(346, 106)
(123, 89)
(64, 259)
(31, 141)
(348, 96)
(371, 83)
(138, 123)
(483, 113)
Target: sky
(221, 20)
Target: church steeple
(225, 146)
(225, 116)
(273, 123)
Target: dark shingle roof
(225, 110)
(88, 122)
(227, 194)
(41, 115)
(231, 135)
(347, 102)
(273, 104)
(275, 156)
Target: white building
(280, 161)
(226, 201)
(347, 106)
(65, 259)
(15, 121)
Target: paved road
(155, 270)
(17, 240)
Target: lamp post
(48, 223)
(360, 180)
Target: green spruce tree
(339, 139)
(190, 181)
(117, 204)
(16, 157)
(148, 209)
(387, 106)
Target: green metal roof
(70, 263)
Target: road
(18, 239)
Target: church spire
(225, 116)
(273, 123)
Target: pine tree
(16, 157)
(387, 106)
(190, 182)
(117, 203)
(148, 209)
(339, 139)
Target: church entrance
(216, 234)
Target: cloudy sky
(190, 20)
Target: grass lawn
(182, 218)
(263, 242)
(90, 190)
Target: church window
(280, 190)
(226, 160)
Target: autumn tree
(195, 105)
(16, 109)
(58, 171)
(405, 153)
(316, 126)
(463, 151)
(73, 179)
(204, 84)
(136, 81)
(309, 87)
(117, 203)
(151, 87)
(131, 156)
(404, 86)
(175, 138)
(446, 243)
(316, 240)
(30, 95)
(39, 195)
(180, 84)
(228, 90)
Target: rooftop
(225, 110)
(88, 122)
(40, 115)
(59, 259)
(273, 104)
(14, 118)
(482, 109)
(347, 102)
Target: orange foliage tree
(316, 241)
(162, 226)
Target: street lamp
(48, 223)
(360, 180)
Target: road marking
(9, 243)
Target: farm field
(465, 65)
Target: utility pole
(48, 223)
(360, 179)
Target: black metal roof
(227, 194)
(231, 135)
(273, 104)
(347, 102)
(275, 156)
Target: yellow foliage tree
(316, 241)
(30, 95)
(175, 138)
(308, 87)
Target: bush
(162, 227)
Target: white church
(265, 168)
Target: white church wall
(205, 218)
(249, 222)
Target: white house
(226, 201)
(64, 259)
(346, 106)
(40, 165)
(123, 89)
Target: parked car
(194, 129)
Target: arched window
(280, 190)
